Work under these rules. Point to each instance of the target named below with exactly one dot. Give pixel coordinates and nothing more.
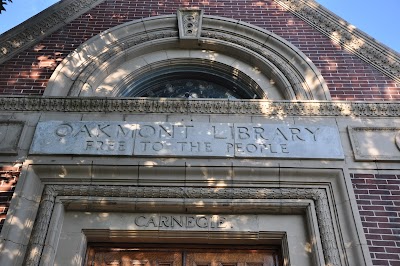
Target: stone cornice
(200, 106)
(350, 38)
(38, 27)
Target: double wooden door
(182, 257)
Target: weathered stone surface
(84, 138)
(375, 143)
(192, 222)
(179, 139)
(184, 139)
(10, 133)
(286, 141)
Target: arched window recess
(188, 55)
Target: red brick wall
(8, 181)
(378, 198)
(348, 77)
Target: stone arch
(104, 65)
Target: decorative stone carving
(83, 72)
(93, 64)
(47, 22)
(189, 23)
(43, 217)
(164, 139)
(282, 65)
(354, 41)
(184, 106)
(325, 223)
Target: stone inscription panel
(187, 140)
(188, 222)
(177, 139)
(84, 138)
(282, 141)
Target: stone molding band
(319, 196)
(353, 40)
(296, 84)
(183, 106)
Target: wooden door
(181, 257)
(231, 258)
(128, 257)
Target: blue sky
(379, 19)
(20, 10)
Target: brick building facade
(74, 73)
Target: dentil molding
(353, 40)
(199, 106)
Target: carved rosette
(325, 223)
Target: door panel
(231, 258)
(181, 257)
(136, 258)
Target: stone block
(10, 133)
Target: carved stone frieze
(184, 106)
(38, 27)
(319, 196)
(385, 60)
